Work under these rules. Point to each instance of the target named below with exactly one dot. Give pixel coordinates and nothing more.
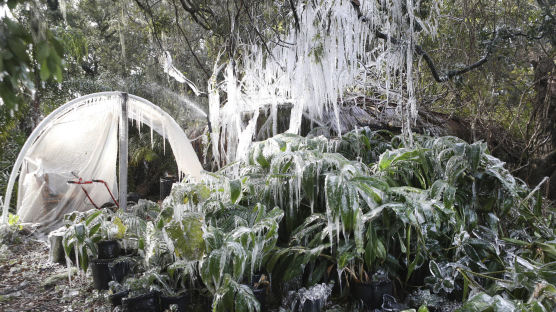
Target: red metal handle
(108, 189)
(81, 182)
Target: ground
(30, 282)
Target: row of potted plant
(371, 217)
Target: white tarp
(81, 138)
(83, 141)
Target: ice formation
(333, 52)
(173, 72)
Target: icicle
(68, 266)
(313, 73)
(164, 139)
(63, 9)
(152, 140)
(76, 258)
(173, 72)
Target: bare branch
(187, 41)
(502, 34)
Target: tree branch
(295, 17)
(501, 34)
(187, 41)
(430, 63)
(193, 12)
(146, 9)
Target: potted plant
(173, 282)
(260, 286)
(143, 295)
(184, 238)
(117, 293)
(230, 253)
(111, 231)
(312, 299)
(80, 237)
(91, 238)
(105, 267)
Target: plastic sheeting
(81, 139)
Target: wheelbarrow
(82, 182)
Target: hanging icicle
(329, 54)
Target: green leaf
(344, 259)
(58, 73)
(43, 51)
(18, 48)
(478, 303)
(84, 259)
(187, 236)
(262, 160)
(92, 247)
(390, 157)
(92, 217)
(58, 46)
(423, 308)
(94, 229)
(474, 153)
(44, 72)
(80, 232)
(235, 190)
(12, 4)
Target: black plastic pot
(313, 305)
(419, 275)
(101, 273)
(391, 304)
(200, 302)
(108, 249)
(119, 270)
(116, 299)
(166, 186)
(132, 198)
(260, 295)
(144, 303)
(380, 288)
(364, 292)
(371, 294)
(308, 305)
(182, 301)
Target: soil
(30, 282)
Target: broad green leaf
(92, 217)
(43, 51)
(235, 190)
(44, 71)
(80, 232)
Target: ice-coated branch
(172, 71)
(295, 16)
